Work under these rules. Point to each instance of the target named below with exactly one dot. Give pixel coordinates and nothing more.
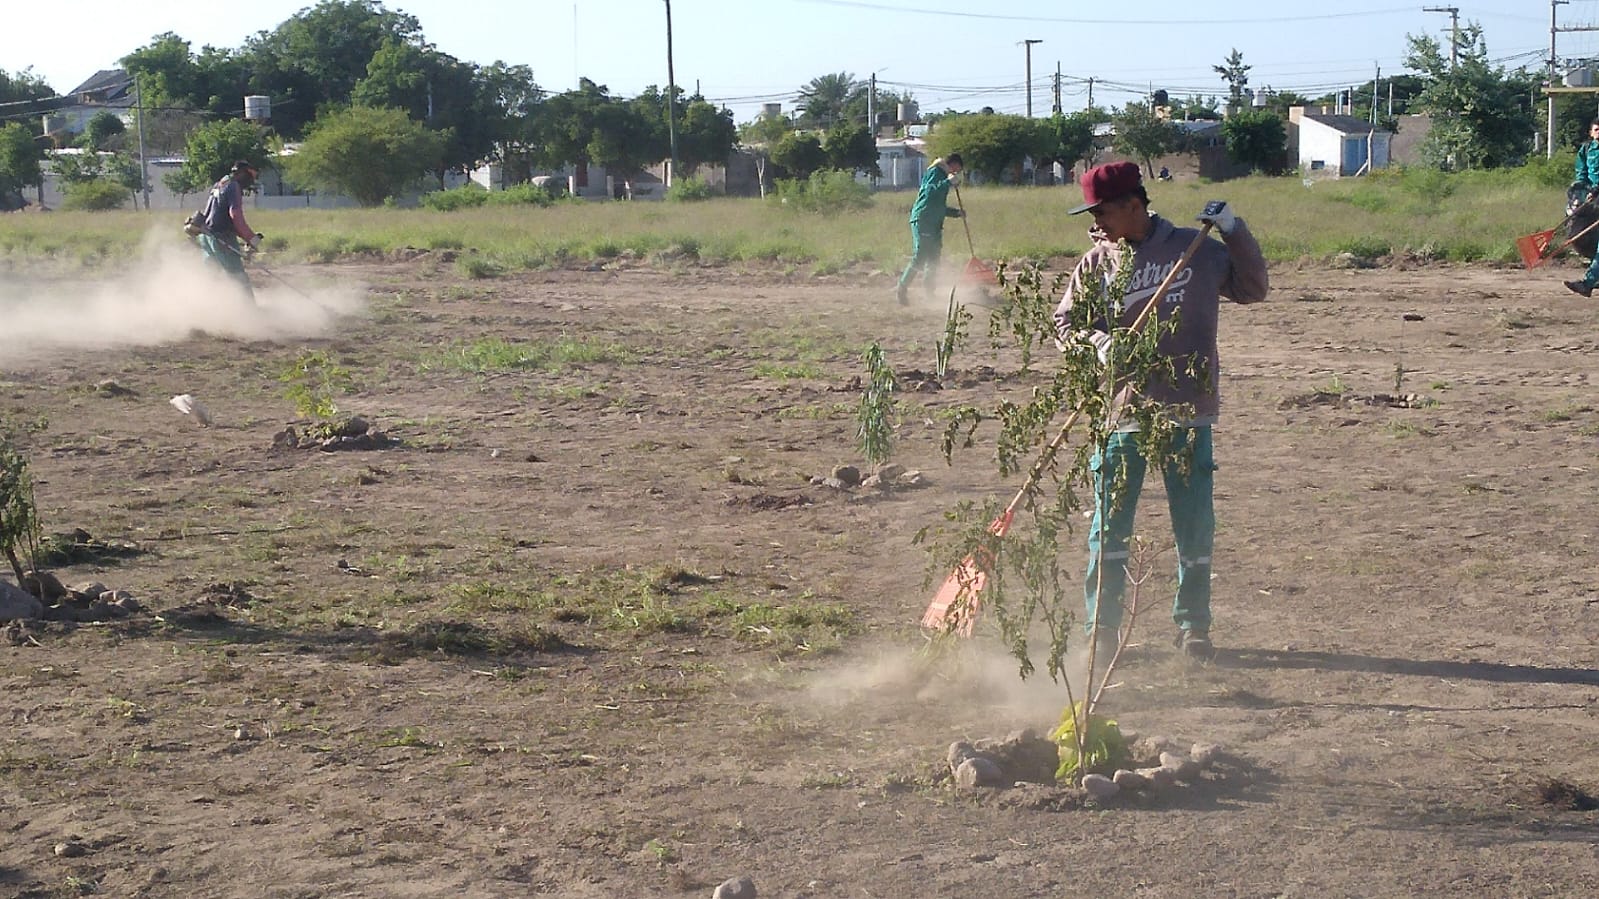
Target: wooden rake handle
(962, 207)
(1047, 458)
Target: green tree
(1142, 136)
(368, 153)
(318, 56)
(1067, 138)
(96, 181)
(1282, 101)
(705, 134)
(21, 88)
(439, 91)
(991, 145)
(760, 137)
(851, 148)
(102, 128)
(517, 100)
(1236, 74)
(565, 124)
(1481, 117)
(1256, 138)
(1196, 108)
(800, 154)
(213, 148)
(21, 160)
(627, 137)
(172, 76)
(823, 99)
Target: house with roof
(108, 90)
(1336, 146)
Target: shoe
(904, 299)
(1579, 287)
(1194, 644)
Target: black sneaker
(1194, 644)
(1579, 287)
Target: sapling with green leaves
(19, 516)
(877, 406)
(1053, 434)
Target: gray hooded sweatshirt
(1232, 267)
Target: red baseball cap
(1104, 183)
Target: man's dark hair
(244, 165)
(955, 158)
(1593, 123)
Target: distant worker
(927, 222)
(223, 226)
(1584, 185)
(1165, 173)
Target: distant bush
(471, 196)
(521, 195)
(467, 196)
(95, 196)
(825, 193)
(689, 190)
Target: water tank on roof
(257, 108)
(905, 112)
(771, 110)
(1258, 98)
(1582, 76)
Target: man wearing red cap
(1126, 233)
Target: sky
(947, 54)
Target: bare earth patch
(584, 626)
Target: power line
(1140, 23)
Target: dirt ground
(589, 631)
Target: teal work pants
(226, 256)
(926, 248)
(1118, 478)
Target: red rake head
(954, 608)
(979, 272)
(1534, 248)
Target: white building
(1325, 144)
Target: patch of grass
(495, 354)
(478, 267)
(448, 637)
(780, 371)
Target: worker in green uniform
(927, 222)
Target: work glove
(255, 241)
(1099, 340)
(1218, 213)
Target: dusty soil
(590, 631)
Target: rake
(1535, 248)
(977, 271)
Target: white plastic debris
(188, 405)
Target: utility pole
(1028, 44)
(1454, 31)
(671, 101)
(144, 172)
(1090, 91)
(1550, 139)
(1056, 109)
(871, 107)
(1374, 82)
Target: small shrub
(313, 379)
(825, 193)
(476, 267)
(1366, 247)
(95, 196)
(521, 195)
(689, 190)
(467, 196)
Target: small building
(900, 163)
(1336, 146)
(109, 90)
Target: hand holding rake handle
(955, 606)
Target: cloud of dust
(972, 678)
(163, 296)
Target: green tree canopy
(822, 101)
(1142, 136)
(705, 134)
(102, 128)
(990, 144)
(800, 154)
(565, 124)
(850, 148)
(1256, 138)
(627, 137)
(368, 153)
(1482, 116)
(213, 148)
(1067, 138)
(22, 87)
(320, 54)
(21, 159)
(441, 92)
(1236, 74)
